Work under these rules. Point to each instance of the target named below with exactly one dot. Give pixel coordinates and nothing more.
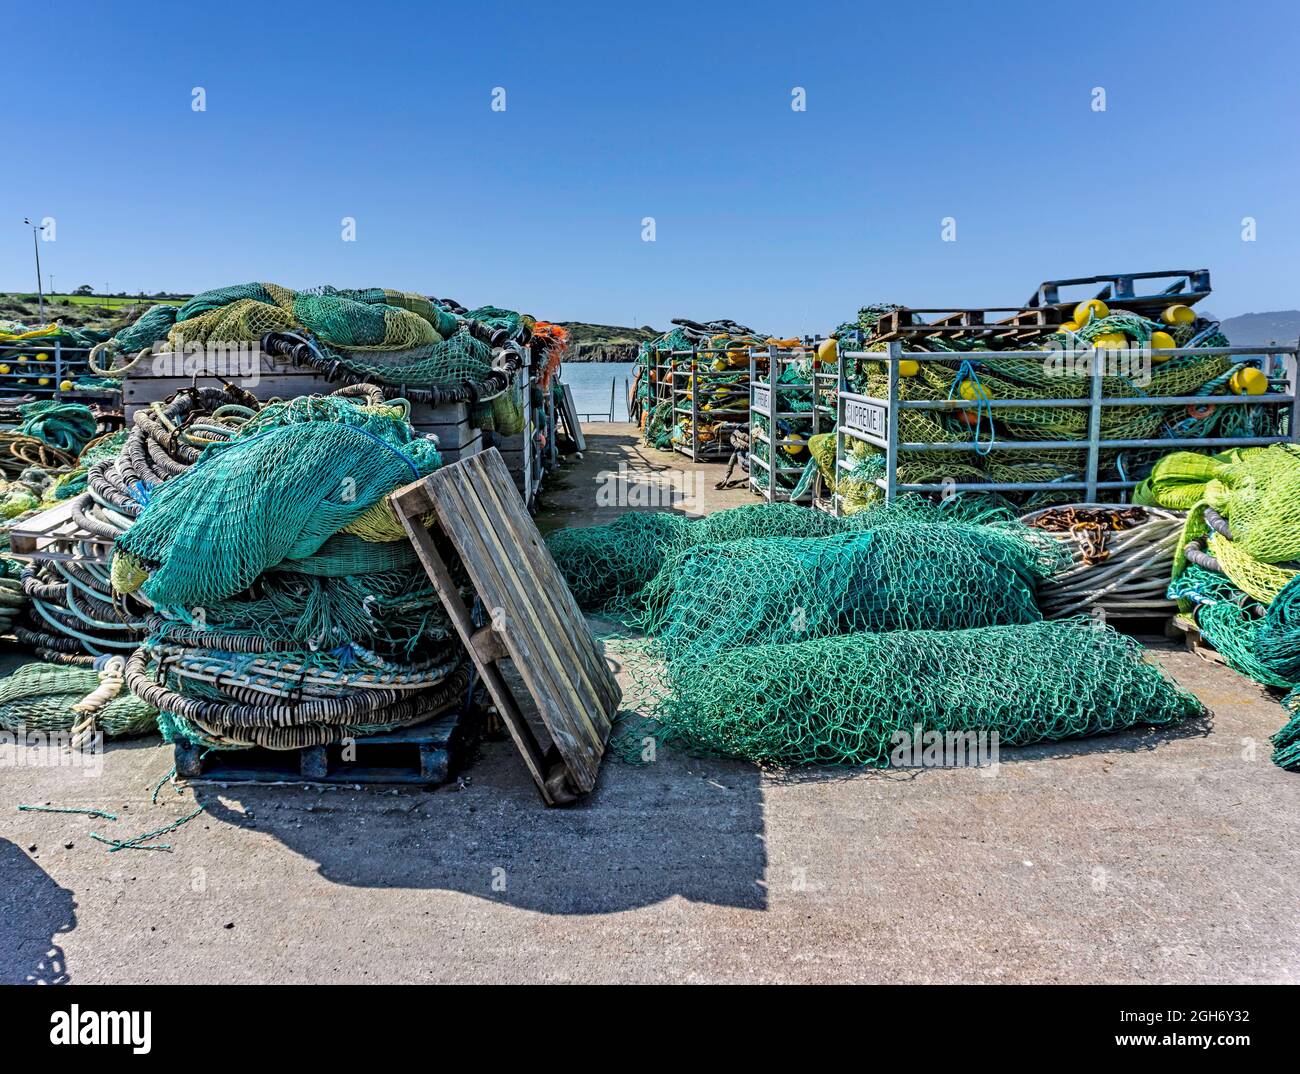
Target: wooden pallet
(427, 755)
(535, 621)
(55, 534)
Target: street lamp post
(40, 295)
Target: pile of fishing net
(609, 567)
(819, 649)
(48, 435)
(896, 573)
(411, 346)
(855, 698)
(1238, 563)
(56, 698)
(288, 607)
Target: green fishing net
(849, 699)
(295, 475)
(901, 574)
(607, 567)
(40, 697)
(453, 360)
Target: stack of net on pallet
(970, 369)
(783, 635)
(236, 577)
(718, 388)
(781, 439)
(1236, 572)
(420, 349)
(288, 607)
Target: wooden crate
(280, 379)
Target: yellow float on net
(1071, 326)
(4, 369)
(1248, 381)
(1178, 314)
(1092, 308)
(973, 392)
(42, 381)
(909, 367)
(827, 351)
(1110, 341)
(66, 386)
(1162, 341)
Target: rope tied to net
(983, 407)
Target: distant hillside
(604, 342)
(1258, 329)
(106, 312)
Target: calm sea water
(590, 382)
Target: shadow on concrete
(34, 912)
(645, 834)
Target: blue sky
(784, 220)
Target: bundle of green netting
(780, 634)
(385, 336)
(1236, 572)
(898, 574)
(50, 698)
(856, 698)
(608, 567)
(290, 608)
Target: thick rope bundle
(1121, 559)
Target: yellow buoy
(968, 390)
(42, 381)
(908, 367)
(1248, 381)
(1110, 341)
(66, 386)
(1086, 311)
(22, 359)
(1071, 326)
(827, 351)
(4, 369)
(1162, 341)
(1178, 314)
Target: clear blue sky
(680, 111)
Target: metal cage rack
(689, 375)
(49, 361)
(875, 421)
(773, 401)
